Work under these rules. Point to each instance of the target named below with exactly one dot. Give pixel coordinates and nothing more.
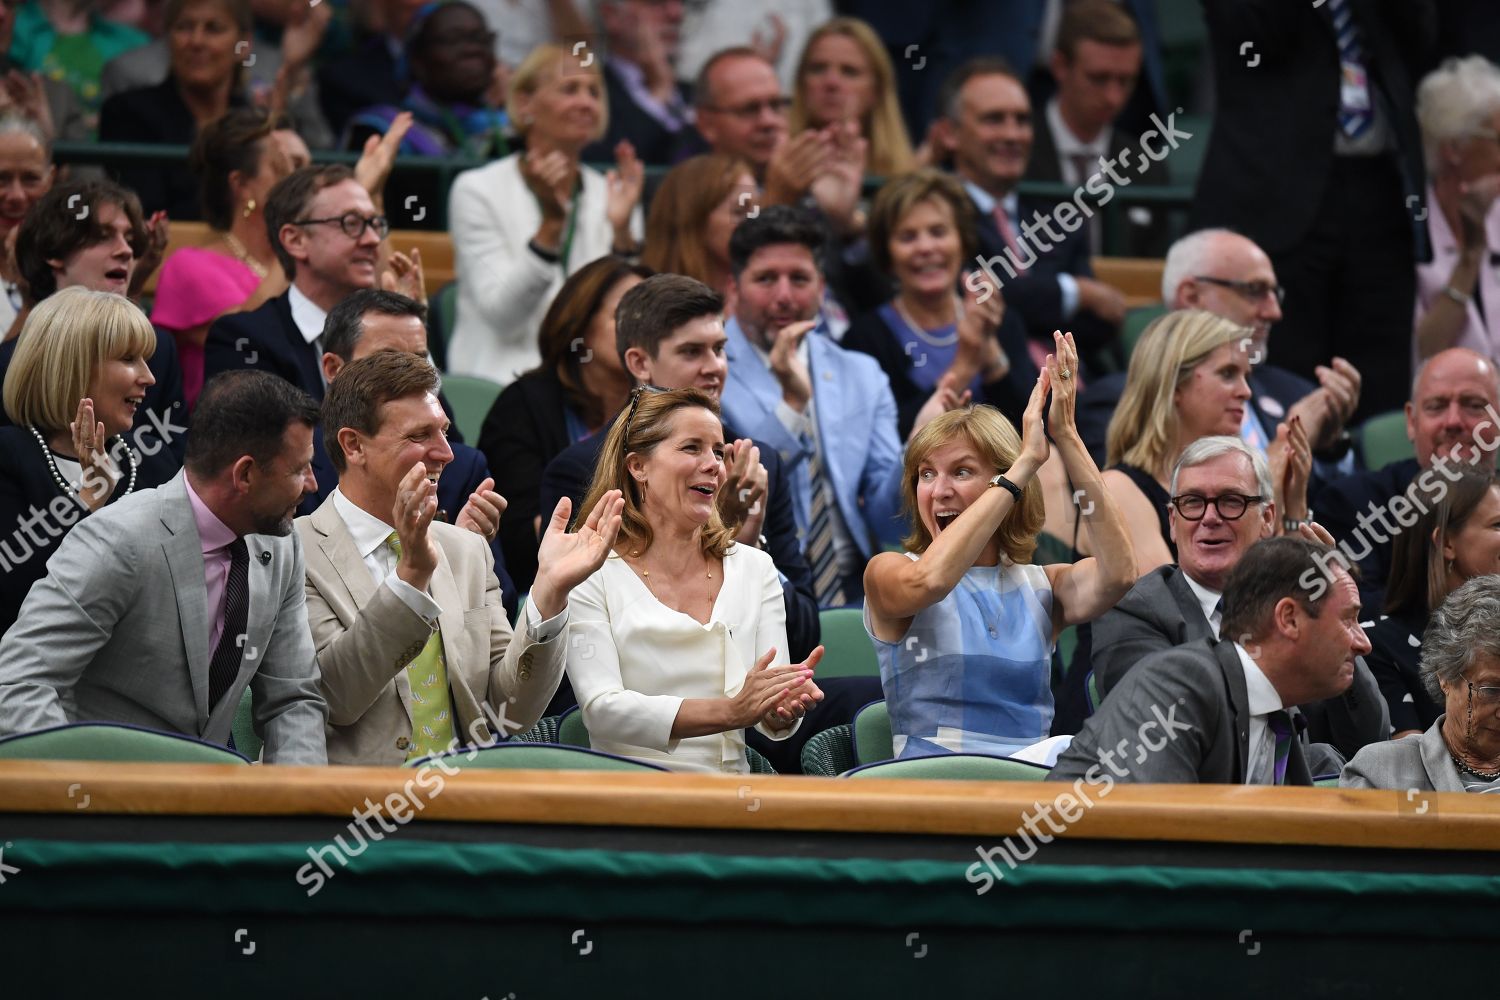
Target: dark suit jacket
(654, 143)
(156, 115)
(1161, 612)
(1147, 238)
(524, 430)
(1338, 506)
(1193, 703)
(1271, 153)
(569, 474)
(266, 338)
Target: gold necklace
(646, 573)
(238, 249)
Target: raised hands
(99, 475)
(551, 177)
(947, 396)
(481, 514)
(22, 93)
(379, 156)
(158, 235)
(787, 364)
(1034, 448)
(623, 186)
(565, 559)
(1062, 368)
(977, 341)
(416, 505)
(404, 275)
(742, 499)
(838, 185)
(1290, 458)
(794, 166)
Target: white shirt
(632, 660)
(1208, 600)
(1070, 147)
(309, 317)
(1260, 760)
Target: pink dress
(195, 286)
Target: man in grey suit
(159, 610)
(1175, 605)
(1225, 711)
(414, 646)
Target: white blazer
(504, 289)
(632, 660)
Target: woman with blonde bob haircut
(963, 623)
(74, 385)
(845, 75)
(693, 214)
(524, 223)
(1188, 379)
(678, 643)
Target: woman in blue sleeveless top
(963, 624)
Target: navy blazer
(266, 338)
(653, 142)
(1339, 504)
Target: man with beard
(159, 610)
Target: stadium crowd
(773, 323)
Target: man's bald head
(1455, 408)
(1199, 263)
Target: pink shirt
(215, 537)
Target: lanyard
(567, 243)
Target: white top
(1260, 760)
(632, 660)
(504, 289)
(370, 535)
(1208, 600)
(310, 318)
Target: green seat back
(953, 767)
(758, 763)
(1383, 440)
(1067, 645)
(872, 734)
(442, 314)
(1332, 781)
(105, 741)
(539, 757)
(1051, 549)
(830, 752)
(245, 739)
(1095, 698)
(546, 730)
(471, 399)
(571, 731)
(1136, 321)
(847, 649)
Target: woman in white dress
(678, 643)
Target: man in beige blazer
(415, 649)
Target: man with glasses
(326, 233)
(1228, 275)
(1222, 504)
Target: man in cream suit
(161, 608)
(415, 648)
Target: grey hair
(1208, 448)
(12, 122)
(1455, 101)
(1465, 625)
(1187, 257)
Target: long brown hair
(1419, 577)
(882, 125)
(644, 425)
(678, 219)
(567, 322)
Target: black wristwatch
(1001, 481)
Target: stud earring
(249, 207)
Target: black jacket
(266, 338)
(1339, 506)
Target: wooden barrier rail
(1190, 813)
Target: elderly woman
(26, 172)
(523, 224)
(1460, 751)
(72, 390)
(921, 232)
(678, 643)
(580, 384)
(1458, 293)
(845, 76)
(1453, 541)
(694, 212)
(1187, 380)
(964, 624)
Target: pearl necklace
(1488, 776)
(256, 267)
(922, 334)
(62, 482)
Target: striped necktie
(431, 705)
(224, 666)
(1280, 723)
(1355, 117)
(828, 585)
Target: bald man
(1452, 421)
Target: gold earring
(249, 207)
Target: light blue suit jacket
(856, 421)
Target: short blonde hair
(1143, 431)
(67, 336)
(1455, 101)
(536, 70)
(998, 443)
(883, 126)
(640, 430)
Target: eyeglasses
(635, 401)
(776, 105)
(1231, 506)
(1486, 695)
(1252, 290)
(353, 224)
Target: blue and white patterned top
(973, 673)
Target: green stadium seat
(1383, 440)
(537, 757)
(953, 767)
(847, 648)
(546, 730)
(758, 762)
(471, 399)
(114, 742)
(872, 734)
(442, 312)
(830, 752)
(1067, 645)
(245, 739)
(571, 730)
(1136, 321)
